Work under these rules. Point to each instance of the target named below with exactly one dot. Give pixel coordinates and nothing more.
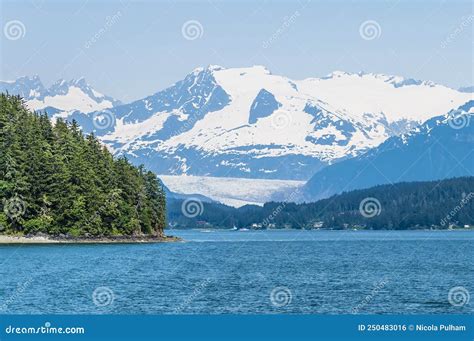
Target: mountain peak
(337, 74)
(80, 83)
(252, 69)
(25, 86)
(260, 69)
(215, 67)
(59, 82)
(395, 81)
(35, 80)
(62, 95)
(209, 68)
(30, 78)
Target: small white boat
(243, 229)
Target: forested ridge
(57, 181)
(408, 205)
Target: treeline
(57, 181)
(411, 205)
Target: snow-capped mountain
(61, 97)
(247, 122)
(440, 148)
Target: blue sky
(129, 49)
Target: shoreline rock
(45, 239)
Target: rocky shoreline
(45, 239)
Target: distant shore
(10, 239)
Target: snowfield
(367, 103)
(248, 123)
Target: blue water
(322, 272)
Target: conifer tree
(55, 180)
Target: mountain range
(249, 123)
(60, 98)
(441, 148)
